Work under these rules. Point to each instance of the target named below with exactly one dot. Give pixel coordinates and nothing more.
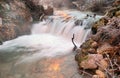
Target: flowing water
(48, 51)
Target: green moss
(1, 40)
(87, 44)
(100, 23)
(80, 59)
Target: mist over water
(50, 41)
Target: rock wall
(14, 19)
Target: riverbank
(99, 55)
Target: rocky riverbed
(98, 56)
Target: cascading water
(47, 52)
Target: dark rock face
(49, 11)
(15, 19)
(105, 41)
(113, 12)
(35, 10)
(109, 33)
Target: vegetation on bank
(99, 56)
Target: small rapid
(48, 51)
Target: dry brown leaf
(103, 64)
(100, 74)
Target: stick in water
(75, 47)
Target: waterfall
(66, 28)
(52, 36)
(48, 49)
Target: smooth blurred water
(48, 51)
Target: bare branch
(75, 47)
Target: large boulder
(14, 19)
(35, 9)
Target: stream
(48, 51)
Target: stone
(49, 10)
(94, 44)
(90, 61)
(15, 19)
(103, 64)
(105, 40)
(35, 9)
(100, 74)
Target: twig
(86, 73)
(109, 61)
(42, 16)
(115, 62)
(75, 47)
(97, 63)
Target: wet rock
(94, 44)
(102, 22)
(104, 49)
(89, 47)
(35, 9)
(49, 11)
(15, 19)
(90, 61)
(92, 50)
(79, 22)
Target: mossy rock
(117, 13)
(100, 23)
(113, 12)
(80, 57)
(87, 44)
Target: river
(48, 51)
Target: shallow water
(48, 51)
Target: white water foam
(50, 38)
